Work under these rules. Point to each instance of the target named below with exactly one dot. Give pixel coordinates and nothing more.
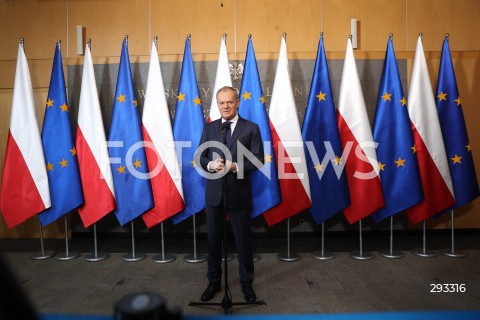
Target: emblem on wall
(236, 70)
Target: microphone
(225, 127)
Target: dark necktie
(228, 136)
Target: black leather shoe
(250, 295)
(212, 289)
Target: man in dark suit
(234, 170)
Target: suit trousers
(240, 221)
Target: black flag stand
(226, 303)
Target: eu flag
(59, 149)
(455, 137)
(328, 186)
(187, 129)
(392, 131)
(265, 188)
(133, 192)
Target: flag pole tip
(390, 36)
(189, 36)
(89, 42)
(446, 35)
(321, 34)
(59, 41)
(249, 36)
(22, 41)
(155, 40)
(224, 35)
(284, 35)
(420, 34)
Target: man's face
(227, 104)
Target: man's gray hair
(228, 88)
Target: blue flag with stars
(392, 131)
(59, 149)
(320, 133)
(454, 131)
(265, 188)
(187, 129)
(131, 180)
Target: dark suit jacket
(239, 190)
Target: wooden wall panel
(107, 22)
(206, 21)
(459, 18)
(266, 20)
(376, 20)
(41, 23)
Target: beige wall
(42, 23)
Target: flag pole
(133, 256)
(67, 255)
(391, 254)
(361, 255)
(162, 257)
(194, 258)
(322, 254)
(423, 252)
(288, 256)
(451, 252)
(42, 254)
(95, 256)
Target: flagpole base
(46, 255)
(163, 258)
(92, 257)
(257, 257)
(421, 252)
(130, 257)
(325, 255)
(357, 255)
(63, 256)
(453, 254)
(288, 257)
(229, 257)
(391, 254)
(195, 258)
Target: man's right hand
(217, 165)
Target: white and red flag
(25, 191)
(432, 159)
(361, 165)
(288, 145)
(222, 79)
(160, 149)
(92, 153)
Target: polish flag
(95, 171)
(288, 144)
(160, 149)
(432, 159)
(25, 191)
(361, 165)
(221, 79)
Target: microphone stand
(226, 303)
